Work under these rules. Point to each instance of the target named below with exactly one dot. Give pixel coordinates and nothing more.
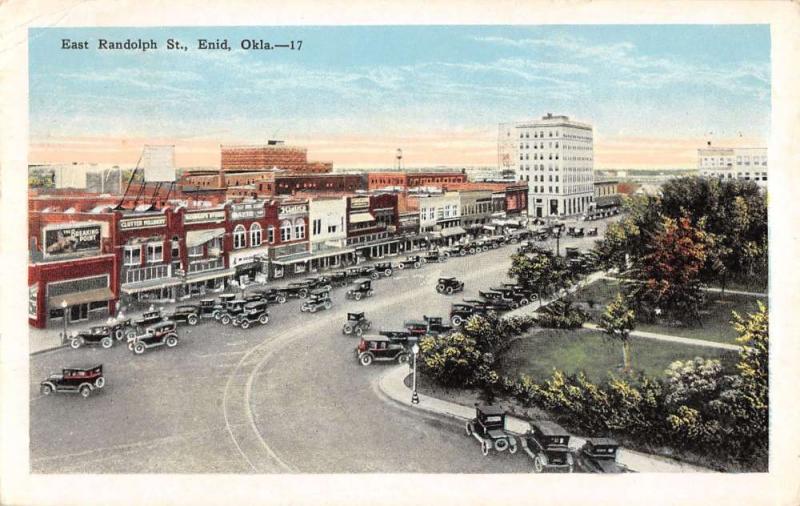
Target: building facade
(746, 164)
(273, 155)
(555, 157)
(402, 180)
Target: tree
(543, 274)
(753, 368)
(618, 321)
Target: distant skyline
(353, 95)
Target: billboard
(158, 163)
(71, 240)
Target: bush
(562, 314)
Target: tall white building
(555, 156)
(748, 164)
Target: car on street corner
(78, 380)
(547, 444)
(230, 310)
(499, 299)
(489, 428)
(380, 349)
(434, 256)
(160, 334)
(99, 335)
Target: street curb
(48, 350)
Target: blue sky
(662, 81)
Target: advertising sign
(247, 211)
(33, 295)
(359, 203)
(134, 223)
(71, 240)
(292, 209)
(204, 217)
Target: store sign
(71, 240)
(359, 203)
(204, 217)
(135, 223)
(253, 255)
(33, 297)
(248, 211)
(292, 209)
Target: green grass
(716, 316)
(539, 353)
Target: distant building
(747, 164)
(273, 155)
(554, 156)
(403, 180)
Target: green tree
(618, 321)
(753, 368)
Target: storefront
(249, 266)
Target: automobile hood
(608, 465)
(496, 433)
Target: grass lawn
(542, 351)
(716, 315)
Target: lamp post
(64, 317)
(414, 396)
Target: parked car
(380, 349)
(547, 443)
(160, 334)
(295, 290)
(148, 318)
(410, 261)
(592, 232)
(405, 336)
(356, 324)
(449, 286)
(305, 286)
(252, 312)
(119, 326)
(457, 250)
(489, 428)
(78, 380)
(362, 288)
(363, 271)
(482, 245)
(207, 308)
(499, 300)
(385, 268)
(599, 455)
(463, 311)
(185, 313)
(515, 293)
(231, 309)
(339, 278)
(432, 325)
(272, 295)
(434, 256)
(99, 335)
(317, 299)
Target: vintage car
(303, 287)
(516, 236)
(516, 293)
(119, 326)
(362, 288)
(160, 334)
(463, 311)
(429, 325)
(319, 298)
(456, 250)
(541, 235)
(570, 252)
(99, 335)
(575, 231)
(499, 299)
(434, 256)
(272, 295)
(339, 278)
(380, 349)
(599, 455)
(363, 271)
(149, 318)
(185, 313)
(482, 245)
(489, 428)
(385, 268)
(405, 336)
(449, 286)
(207, 308)
(547, 443)
(79, 380)
(227, 313)
(252, 312)
(410, 261)
(356, 324)
(592, 232)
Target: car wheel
(357, 295)
(449, 290)
(457, 320)
(107, 342)
(387, 272)
(100, 382)
(347, 329)
(130, 346)
(46, 389)
(512, 446)
(514, 305)
(416, 265)
(501, 444)
(263, 319)
(468, 428)
(538, 465)
(191, 320)
(85, 391)
(119, 334)
(328, 305)
(485, 448)
(304, 293)
(359, 331)
(366, 359)
(440, 288)
(245, 324)
(217, 315)
(281, 300)
(370, 293)
(225, 320)
(462, 253)
(138, 348)
(523, 302)
(75, 343)
(402, 358)
(401, 266)
(374, 275)
(313, 309)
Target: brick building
(405, 180)
(273, 155)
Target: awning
(197, 237)
(380, 242)
(361, 218)
(292, 259)
(449, 232)
(488, 227)
(204, 276)
(150, 284)
(72, 299)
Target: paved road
(286, 397)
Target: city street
(285, 397)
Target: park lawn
(540, 352)
(716, 315)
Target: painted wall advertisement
(71, 240)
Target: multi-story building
(403, 180)
(554, 156)
(747, 164)
(327, 217)
(440, 215)
(607, 199)
(273, 155)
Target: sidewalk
(675, 339)
(706, 288)
(391, 384)
(532, 308)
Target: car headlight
(570, 459)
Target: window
(271, 234)
(132, 255)
(239, 240)
(317, 228)
(155, 252)
(195, 251)
(176, 247)
(299, 228)
(255, 235)
(286, 230)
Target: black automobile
(449, 286)
(405, 336)
(339, 278)
(77, 380)
(231, 309)
(592, 232)
(160, 334)
(207, 308)
(434, 256)
(99, 335)
(119, 326)
(482, 245)
(516, 293)
(356, 324)
(385, 268)
(599, 455)
(272, 295)
(499, 300)
(463, 311)
(459, 250)
(185, 313)
(151, 317)
(317, 299)
(252, 312)
(305, 286)
(547, 443)
(380, 349)
(411, 261)
(362, 289)
(429, 325)
(363, 271)
(489, 428)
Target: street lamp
(64, 317)
(414, 396)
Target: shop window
(271, 234)
(132, 255)
(155, 252)
(286, 230)
(195, 251)
(255, 235)
(239, 239)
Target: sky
(354, 94)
